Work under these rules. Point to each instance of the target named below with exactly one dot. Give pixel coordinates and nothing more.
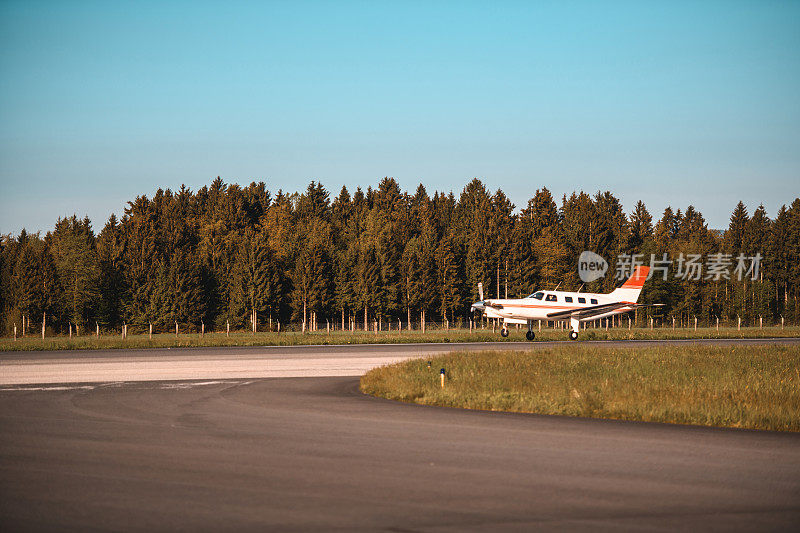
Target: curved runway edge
(313, 453)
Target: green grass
(164, 340)
(754, 386)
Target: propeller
(480, 305)
(483, 304)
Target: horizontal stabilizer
(596, 310)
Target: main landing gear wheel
(504, 332)
(530, 335)
(573, 335)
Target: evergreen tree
(473, 215)
(447, 275)
(72, 245)
(110, 253)
(641, 229)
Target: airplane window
(551, 298)
(537, 295)
(568, 299)
(594, 301)
(581, 300)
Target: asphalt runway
(313, 453)
(99, 366)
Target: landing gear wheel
(573, 335)
(504, 332)
(530, 335)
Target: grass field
(754, 386)
(164, 340)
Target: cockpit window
(537, 295)
(551, 298)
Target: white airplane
(562, 306)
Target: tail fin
(629, 292)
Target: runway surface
(99, 366)
(313, 453)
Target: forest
(227, 253)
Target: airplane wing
(589, 312)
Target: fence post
(328, 325)
(695, 323)
(651, 322)
(781, 321)
(44, 323)
(15, 332)
(717, 322)
(151, 331)
(202, 329)
(760, 322)
(176, 329)
(70, 330)
(97, 329)
(739, 323)
(227, 328)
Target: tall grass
(754, 386)
(294, 338)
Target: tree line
(226, 253)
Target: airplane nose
(478, 306)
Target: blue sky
(673, 103)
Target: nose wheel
(504, 332)
(573, 335)
(530, 335)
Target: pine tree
(447, 282)
(779, 261)
(254, 281)
(792, 245)
(472, 221)
(72, 245)
(368, 279)
(641, 229)
(110, 250)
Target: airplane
(562, 306)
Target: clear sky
(673, 103)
